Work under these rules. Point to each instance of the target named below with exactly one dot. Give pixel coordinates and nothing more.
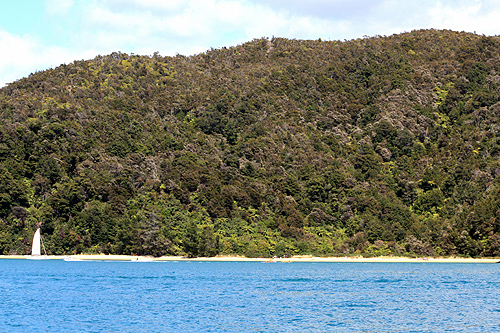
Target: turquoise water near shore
(98, 296)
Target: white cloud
(58, 7)
(25, 55)
(479, 16)
(194, 26)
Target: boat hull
(37, 257)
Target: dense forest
(374, 146)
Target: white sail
(35, 247)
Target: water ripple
(247, 297)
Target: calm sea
(59, 296)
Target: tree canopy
(374, 146)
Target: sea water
(197, 296)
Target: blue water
(59, 296)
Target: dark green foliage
(376, 146)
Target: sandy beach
(305, 259)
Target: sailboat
(35, 247)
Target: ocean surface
(99, 296)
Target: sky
(39, 34)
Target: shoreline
(305, 259)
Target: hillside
(382, 145)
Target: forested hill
(382, 145)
